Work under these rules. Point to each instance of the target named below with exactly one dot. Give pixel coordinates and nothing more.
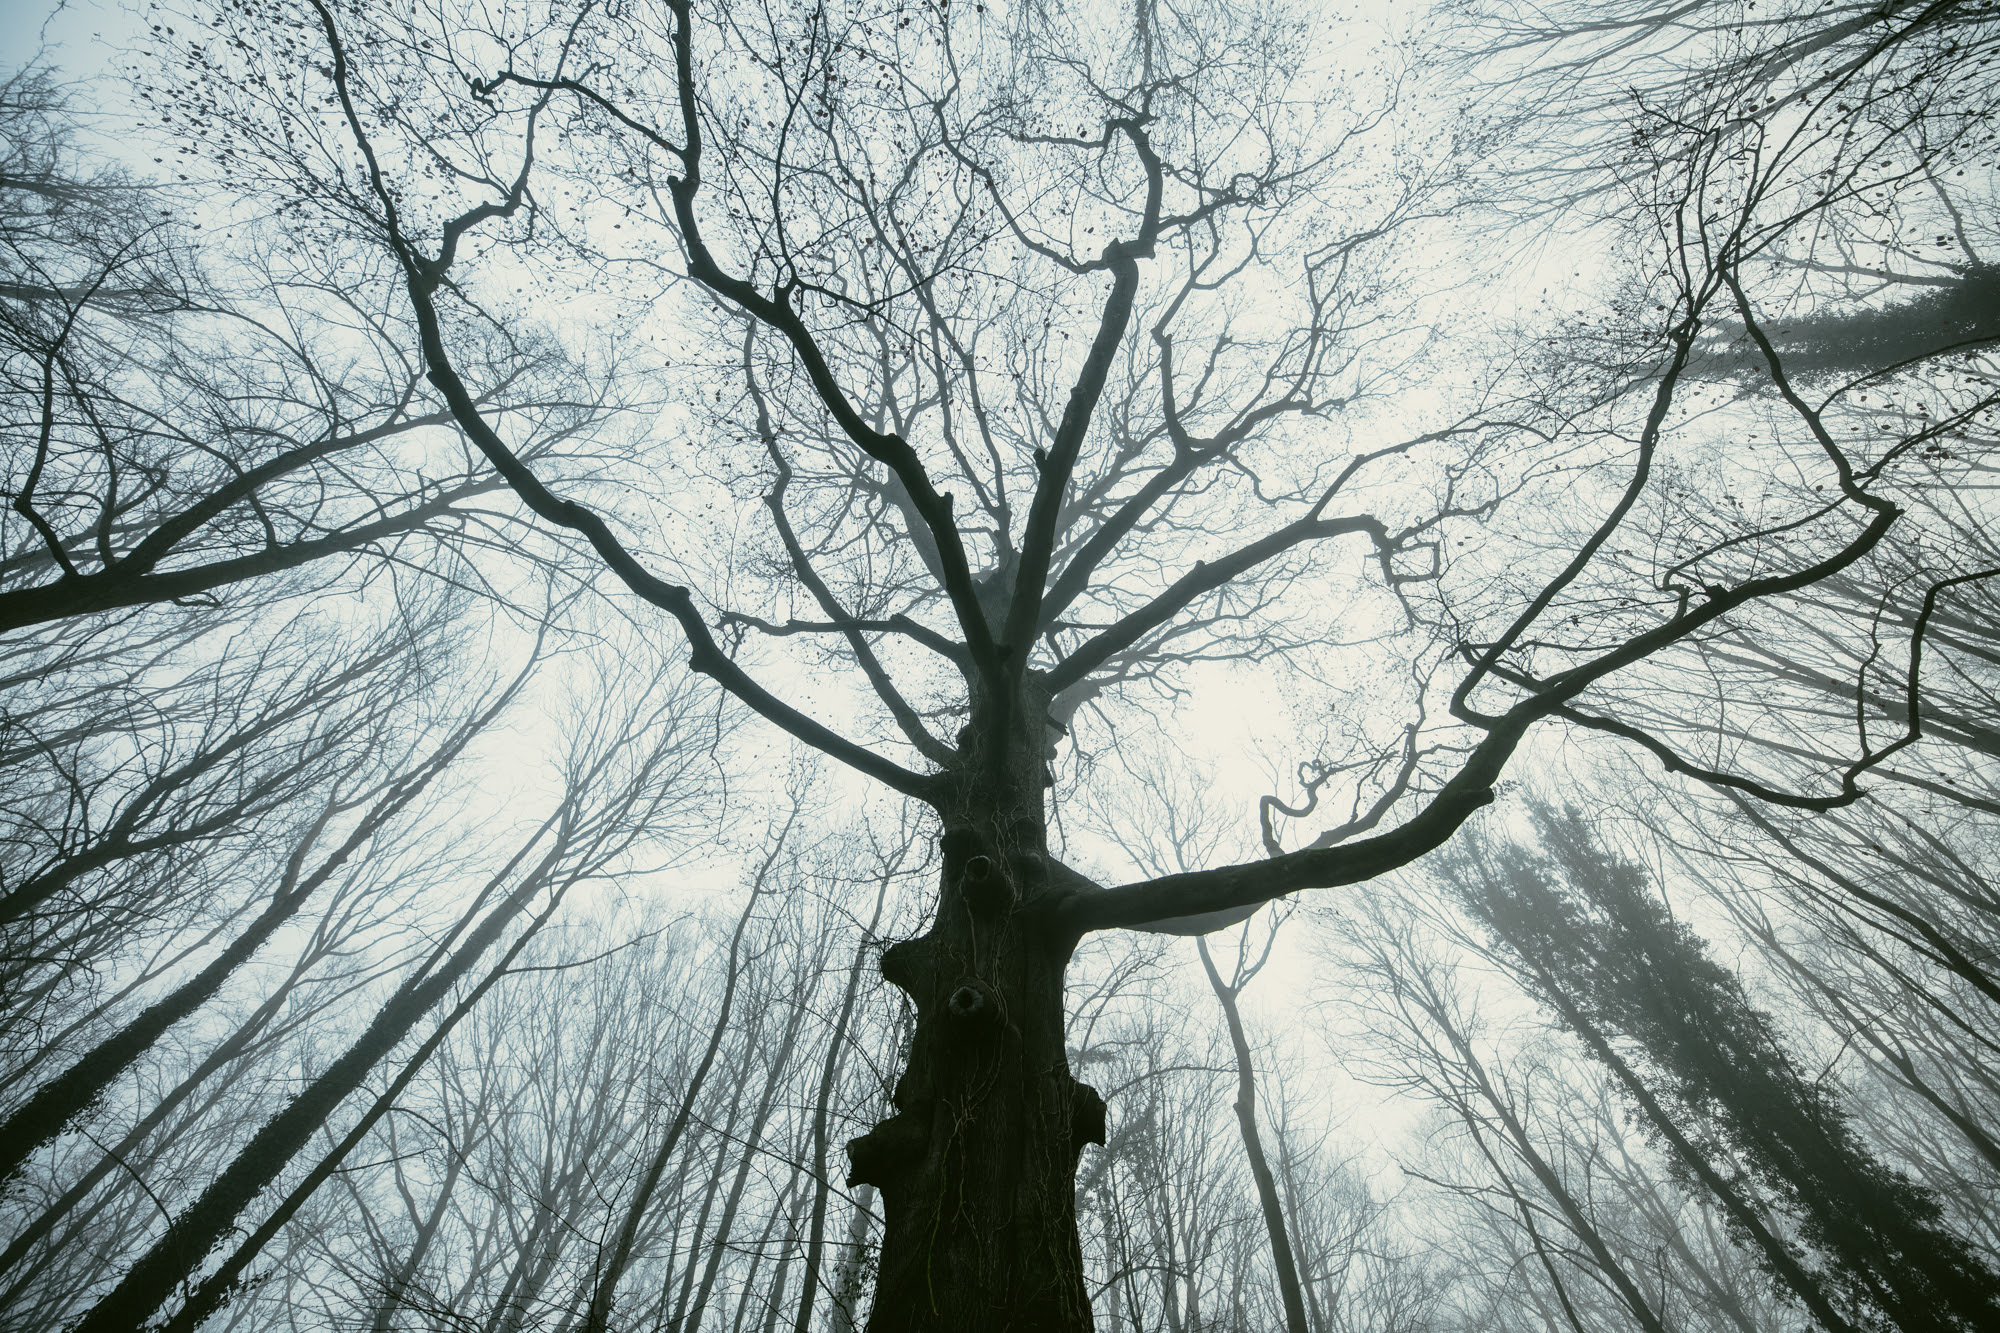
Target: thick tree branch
(123, 586)
(1024, 613)
(952, 652)
(1236, 886)
(777, 312)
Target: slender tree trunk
(398, 1284)
(1120, 1259)
(221, 1284)
(774, 1303)
(68, 1095)
(1167, 1242)
(540, 1260)
(74, 1091)
(523, 1258)
(1527, 1215)
(715, 1174)
(605, 1293)
(1288, 1172)
(190, 1237)
(779, 1287)
(1891, 1051)
(977, 1166)
(1551, 1181)
(232, 1047)
(1719, 1293)
(1940, 947)
(1253, 1148)
(766, 1102)
(45, 1044)
(822, 1109)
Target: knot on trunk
(973, 1007)
(1030, 868)
(988, 890)
(1086, 1117)
(902, 965)
(959, 845)
(885, 1153)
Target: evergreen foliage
(1839, 342)
(1593, 942)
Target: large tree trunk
(977, 1166)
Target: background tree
(1596, 946)
(191, 417)
(1561, 1214)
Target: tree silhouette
(1044, 357)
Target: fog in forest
(978, 666)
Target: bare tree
(188, 419)
(1061, 354)
(68, 1095)
(1167, 827)
(612, 1266)
(1591, 941)
(1425, 1029)
(634, 776)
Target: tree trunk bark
(977, 1166)
(850, 1278)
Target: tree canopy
(981, 397)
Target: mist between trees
(1001, 667)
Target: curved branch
(776, 312)
(423, 277)
(1683, 341)
(1237, 886)
(1869, 759)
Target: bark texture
(977, 1166)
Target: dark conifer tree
(1591, 940)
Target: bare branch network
(991, 400)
